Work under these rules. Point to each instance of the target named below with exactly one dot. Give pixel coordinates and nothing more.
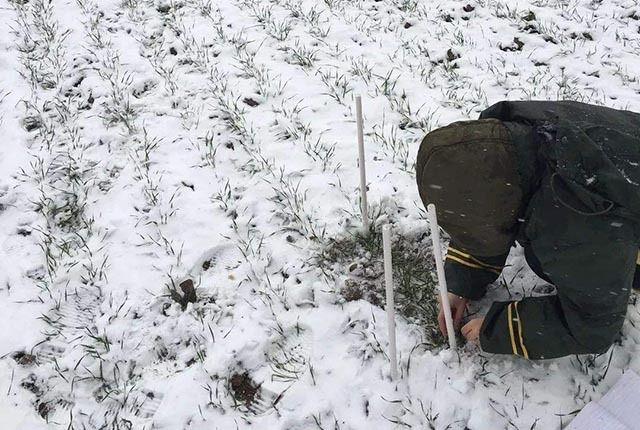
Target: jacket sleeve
(592, 262)
(468, 276)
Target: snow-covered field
(146, 142)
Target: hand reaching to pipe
(471, 330)
(458, 305)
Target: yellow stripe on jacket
(511, 332)
(470, 261)
(524, 349)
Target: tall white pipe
(391, 313)
(442, 280)
(364, 208)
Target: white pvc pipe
(391, 313)
(442, 280)
(363, 174)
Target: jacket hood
(469, 171)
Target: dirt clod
(517, 45)
(352, 291)
(24, 232)
(250, 102)
(208, 264)
(24, 359)
(243, 388)
(31, 123)
(188, 294)
(452, 56)
(44, 409)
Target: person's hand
(458, 305)
(471, 330)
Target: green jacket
(580, 171)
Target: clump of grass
(302, 55)
(359, 258)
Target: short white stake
(442, 280)
(391, 313)
(363, 173)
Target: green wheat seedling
(408, 6)
(94, 27)
(386, 84)
(334, 5)
(365, 344)
(289, 123)
(362, 68)
(595, 366)
(147, 146)
(337, 84)
(292, 201)
(301, 55)
(233, 114)
(279, 30)
(506, 11)
(261, 12)
(412, 118)
(208, 148)
(311, 17)
(195, 51)
(118, 109)
(268, 84)
(393, 145)
(569, 89)
(622, 72)
(290, 127)
(289, 110)
(238, 40)
(158, 60)
(416, 414)
(225, 197)
(296, 131)
(231, 108)
(41, 46)
(320, 151)
(130, 4)
(190, 115)
(64, 173)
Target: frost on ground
(175, 176)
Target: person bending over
(563, 180)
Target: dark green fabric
(523, 140)
(579, 171)
(586, 162)
(468, 171)
(471, 283)
(591, 261)
(596, 150)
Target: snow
(222, 134)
